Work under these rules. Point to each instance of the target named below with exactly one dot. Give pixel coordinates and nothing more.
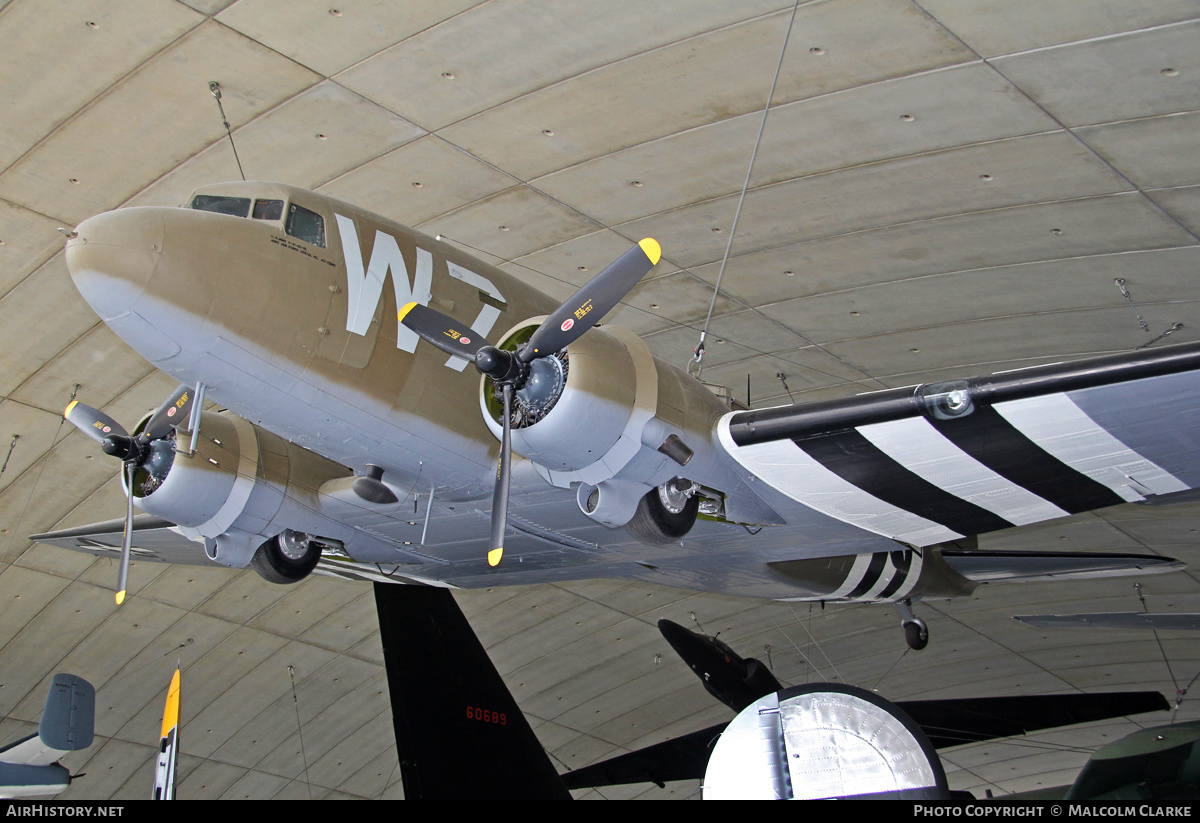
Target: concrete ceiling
(943, 188)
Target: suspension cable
(698, 352)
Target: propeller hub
(119, 445)
(500, 365)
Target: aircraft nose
(113, 256)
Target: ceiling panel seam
(101, 95)
(783, 9)
(950, 272)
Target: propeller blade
(92, 422)
(171, 414)
(593, 301)
(127, 537)
(500, 492)
(442, 331)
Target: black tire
(655, 524)
(916, 634)
(277, 565)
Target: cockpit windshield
(306, 225)
(268, 209)
(233, 206)
(301, 223)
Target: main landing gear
(288, 557)
(666, 514)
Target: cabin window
(305, 225)
(233, 206)
(268, 209)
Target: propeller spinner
(133, 451)
(509, 370)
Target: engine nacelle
(610, 418)
(242, 486)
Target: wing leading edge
(933, 463)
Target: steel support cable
(698, 352)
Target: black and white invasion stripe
(923, 481)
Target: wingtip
(494, 556)
(652, 249)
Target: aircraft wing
(153, 539)
(159, 540)
(931, 464)
(921, 466)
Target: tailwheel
(288, 557)
(916, 631)
(916, 634)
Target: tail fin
(459, 732)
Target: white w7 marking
(364, 288)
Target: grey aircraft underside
(349, 438)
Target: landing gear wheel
(286, 558)
(916, 634)
(664, 515)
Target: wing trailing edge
(990, 567)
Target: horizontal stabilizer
(683, 758)
(971, 719)
(946, 723)
(1112, 620)
(990, 567)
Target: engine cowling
(604, 415)
(241, 487)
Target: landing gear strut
(916, 632)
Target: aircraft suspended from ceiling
(351, 437)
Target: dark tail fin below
(459, 732)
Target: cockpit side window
(233, 206)
(268, 209)
(305, 225)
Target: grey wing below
(153, 539)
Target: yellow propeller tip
(494, 556)
(67, 413)
(652, 249)
(120, 597)
(407, 308)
